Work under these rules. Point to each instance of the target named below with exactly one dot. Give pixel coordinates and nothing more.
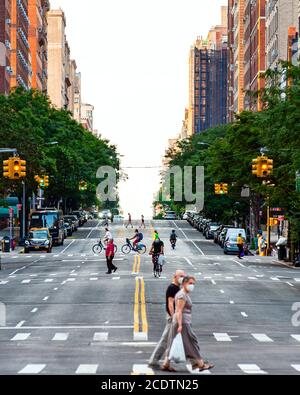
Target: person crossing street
(110, 254)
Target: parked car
(73, 219)
(230, 244)
(118, 219)
(191, 216)
(170, 215)
(204, 225)
(80, 217)
(52, 219)
(210, 230)
(218, 232)
(38, 239)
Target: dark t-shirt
(171, 293)
(157, 247)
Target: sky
(133, 56)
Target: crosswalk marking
(34, 310)
(296, 367)
(87, 369)
(261, 337)
(20, 337)
(142, 370)
(26, 281)
(222, 337)
(32, 369)
(297, 280)
(296, 337)
(49, 280)
(60, 337)
(251, 369)
(100, 337)
(93, 279)
(3, 282)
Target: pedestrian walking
(182, 323)
(110, 254)
(129, 223)
(143, 222)
(240, 244)
(172, 291)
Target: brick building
(37, 12)
(5, 70)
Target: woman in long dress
(182, 323)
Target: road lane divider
(136, 265)
(140, 326)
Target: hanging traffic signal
(46, 181)
(83, 186)
(7, 173)
(217, 189)
(224, 189)
(14, 168)
(37, 179)
(262, 167)
(255, 167)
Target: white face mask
(180, 280)
(191, 287)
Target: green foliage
(29, 123)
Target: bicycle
(128, 247)
(99, 247)
(157, 268)
(173, 244)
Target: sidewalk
(6, 233)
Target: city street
(64, 315)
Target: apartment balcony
(42, 37)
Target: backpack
(141, 236)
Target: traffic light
(224, 189)
(255, 167)
(83, 186)
(14, 168)
(217, 189)
(262, 167)
(7, 168)
(37, 179)
(46, 181)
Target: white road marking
(213, 282)
(20, 324)
(244, 315)
(49, 280)
(34, 310)
(20, 337)
(4, 282)
(60, 337)
(46, 298)
(239, 263)
(26, 282)
(222, 337)
(291, 285)
(222, 292)
(116, 278)
(251, 369)
(252, 278)
(68, 327)
(142, 370)
(297, 280)
(87, 369)
(231, 302)
(16, 271)
(68, 246)
(275, 279)
(261, 337)
(296, 337)
(199, 249)
(55, 289)
(296, 367)
(100, 337)
(189, 262)
(33, 275)
(32, 369)
(93, 279)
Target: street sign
(281, 218)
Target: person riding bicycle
(173, 237)
(157, 249)
(138, 237)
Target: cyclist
(173, 238)
(138, 237)
(157, 249)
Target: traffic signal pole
(268, 227)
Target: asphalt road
(61, 314)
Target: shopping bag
(161, 260)
(177, 353)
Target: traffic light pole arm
(9, 150)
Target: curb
(290, 266)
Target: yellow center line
(136, 306)
(143, 308)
